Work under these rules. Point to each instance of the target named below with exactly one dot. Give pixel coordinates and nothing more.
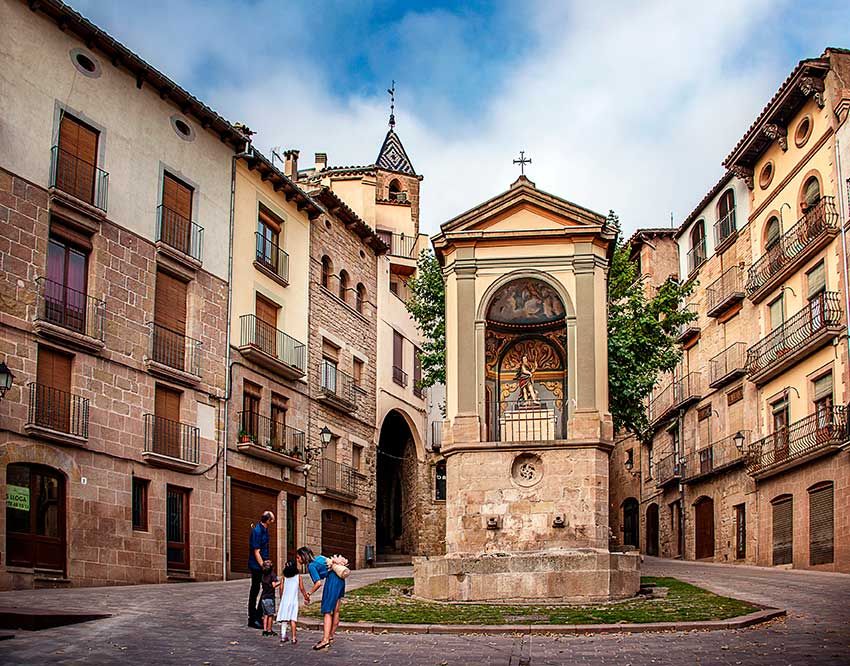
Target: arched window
(696, 255)
(343, 284)
(360, 297)
(35, 516)
(810, 194)
(772, 233)
(327, 271)
(725, 225)
(395, 192)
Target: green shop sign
(18, 497)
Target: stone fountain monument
(528, 433)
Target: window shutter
(823, 387)
(821, 525)
(77, 139)
(267, 312)
(170, 303)
(783, 531)
(776, 313)
(398, 350)
(816, 279)
(176, 196)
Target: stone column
(585, 420)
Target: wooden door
(291, 526)
(630, 523)
(177, 527)
(783, 531)
(167, 429)
(339, 535)
(52, 399)
(780, 433)
(247, 504)
(176, 221)
(652, 529)
(169, 314)
(76, 159)
(740, 532)
(704, 532)
(266, 338)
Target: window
(740, 531)
(357, 371)
(766, 176)
(417, 371)
(278, 423)
(821, 524)
(772, 233)
(803, 132)
(52, 404)
(167, 435)
(328, 374)
(777, 312)
(251, 410)
(177, 527)
(696, 256)
(816, 280)
(630, 458)
(176, 215)
(394, 285)
(674, 439)
(399, 376)
(327, 271)
(810, 195)
(440, 481)
(268, 240)
(140, 503)
(725, 216)
(360, 297)
(822, 388)
(779, 417)
(35, 517)
(356, 456)
(76, 159)
(65, 287)
(783, 530)
(650, 461)
(343, 284)
(169, 315)
(265, 334)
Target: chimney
(321, 161)
(290, 164)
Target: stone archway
(396, 529)
(652, 529)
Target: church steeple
(392, 155)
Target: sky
(626, 106)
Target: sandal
(321, 646)
(294, 641)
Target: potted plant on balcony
(244, 437)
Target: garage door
(247, 504)
(339, 535)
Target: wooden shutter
(54, 369)
(176, 221)
(167, 430)
(170, 303)
(167, 403)
(816, 279)
(247, 504)
(783, 531)
(821, 525)
(823, 387)
(266, 338)
(176, 196)
(266, 311)
(77, 158)
(52, 408)
(398, 350)
(78, 139)
(417, 366)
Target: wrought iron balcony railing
(819, 220)
(725, 290)
(819, 432)
(278, 437)
(812, 325)
(336, 478)
(70, 309)
(715, 457)
(179, 232)
(172, 439)
(525, 420)
(401, 245)
(175, 350)
(678, 393)
(691, 328)
(668, 469)
(417, 389)
(696, 256)
(337, 385)
(273, 342)
(79, 178)
(724, 228)
(728, 364)
(399, 376)
(272, 257)
(58, 410)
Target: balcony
(796, 338)
(417, 388)
(678, 394)
(724, 231)
(726, 291)
(668, 470)
(271, 348)
(261, 437)
(271, 260)
(80, 180)
(178, 238)
(401, 245)
(688, 332)
(69, 315)
(336, 480)
(57, 415)
(171, 444)
(811, 437)
(399, 376)
(525, 420)
(696, 257)
(715, 458)
(173, 355)
(728, 365)
(337, 388)
(811, 233)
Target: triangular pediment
(393, 156)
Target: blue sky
(630, 106)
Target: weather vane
(391, 91)
(522, 161)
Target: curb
(740, 622)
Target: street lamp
(738, 438)
(6, 378)
(325, 435)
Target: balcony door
(65, 288)
(77, 159)
(268, 239)
(176, 220)
(779, 411)
(177, 527)
(35, 517)
(51, 406)
(266, 338)
(169, 315)
(167, 433)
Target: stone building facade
(748, 460)
(114, 203)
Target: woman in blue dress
(319, 568)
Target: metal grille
(179, 232)
(69, 308)
(783, 531)
(821, 525)
(58, 410)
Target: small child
(287, 614)
(269, 582)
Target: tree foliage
(642, 344)
(427, 306)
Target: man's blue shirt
(259, 539)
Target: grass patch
(388, 601)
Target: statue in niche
(525, 378)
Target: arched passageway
(396, 484)
(652, 529)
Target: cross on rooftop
(522, 161)
(391, 92)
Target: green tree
(642, 342)
(427, 306)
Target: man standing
(258, 553)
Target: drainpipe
(227, 375)
(843, 218)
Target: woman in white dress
(287, 613)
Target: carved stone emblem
(777, 133)
(527, 470)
